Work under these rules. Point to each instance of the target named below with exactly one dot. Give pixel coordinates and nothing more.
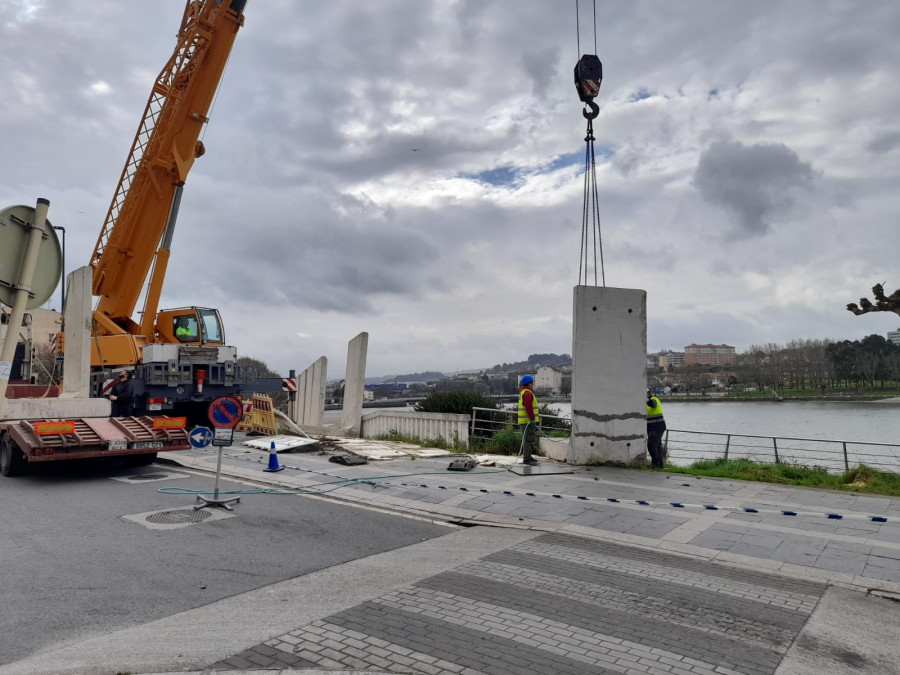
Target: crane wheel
(12, 461)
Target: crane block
(588, 76)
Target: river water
(865, 421)
(836, 430)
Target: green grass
(503, 442)
(860, 479)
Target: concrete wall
(354, 384)
(54, 408)
(79, 317)
(420, 424)
(309, 407)
(609, 381)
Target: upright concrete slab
(309, 407)
(354, 384)
(609, 380)
(78, 318)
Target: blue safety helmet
(527, 379)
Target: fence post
(846, 462)
(727, 445)
(472, 424)
(775, 444)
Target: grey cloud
(540, 66)
(322, 251)
(884, 142)
(753, 182)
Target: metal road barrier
(686, 447)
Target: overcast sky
(413, 168)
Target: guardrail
(682, 447)
(687, 447)
(486, 422)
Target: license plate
(147, 444)
(118, 444)
(154, 406)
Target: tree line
(811, 364)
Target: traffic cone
(273, 460)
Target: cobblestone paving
(560, 604)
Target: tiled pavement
(559, 604)
(851, 551)
(612, 587)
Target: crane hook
(594, 110)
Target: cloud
(757, 183)
(746, 157)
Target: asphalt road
(73, 567)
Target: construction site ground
(555, 569)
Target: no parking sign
(225, 412)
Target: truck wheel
(12, 461)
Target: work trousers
(530, 445)
(654, 446)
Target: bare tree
(883, 303)
(44, 366)
(866, 364)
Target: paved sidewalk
(832, 539)
(594, 571)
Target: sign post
(24, 288)
(224, 413)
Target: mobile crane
(178, 358)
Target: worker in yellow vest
(529, 415)
(656, 427)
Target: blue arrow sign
(200, 437)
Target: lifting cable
(588, 75)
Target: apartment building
(709, 355)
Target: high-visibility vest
(655, 414)
(523, 416)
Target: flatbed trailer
(24, 443)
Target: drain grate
(172, 519)
(149, 476)
(178, 517)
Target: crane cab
(190, 326)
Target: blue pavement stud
(677, 505)
(273, 460)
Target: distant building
(547, 380)
(669, 359)
(39, 327)
(894, 336)
(709, 355)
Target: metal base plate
(542, 469)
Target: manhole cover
(178, 517)
(173, 519)
(148, 476)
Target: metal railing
(686, 447)
(486, 422)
